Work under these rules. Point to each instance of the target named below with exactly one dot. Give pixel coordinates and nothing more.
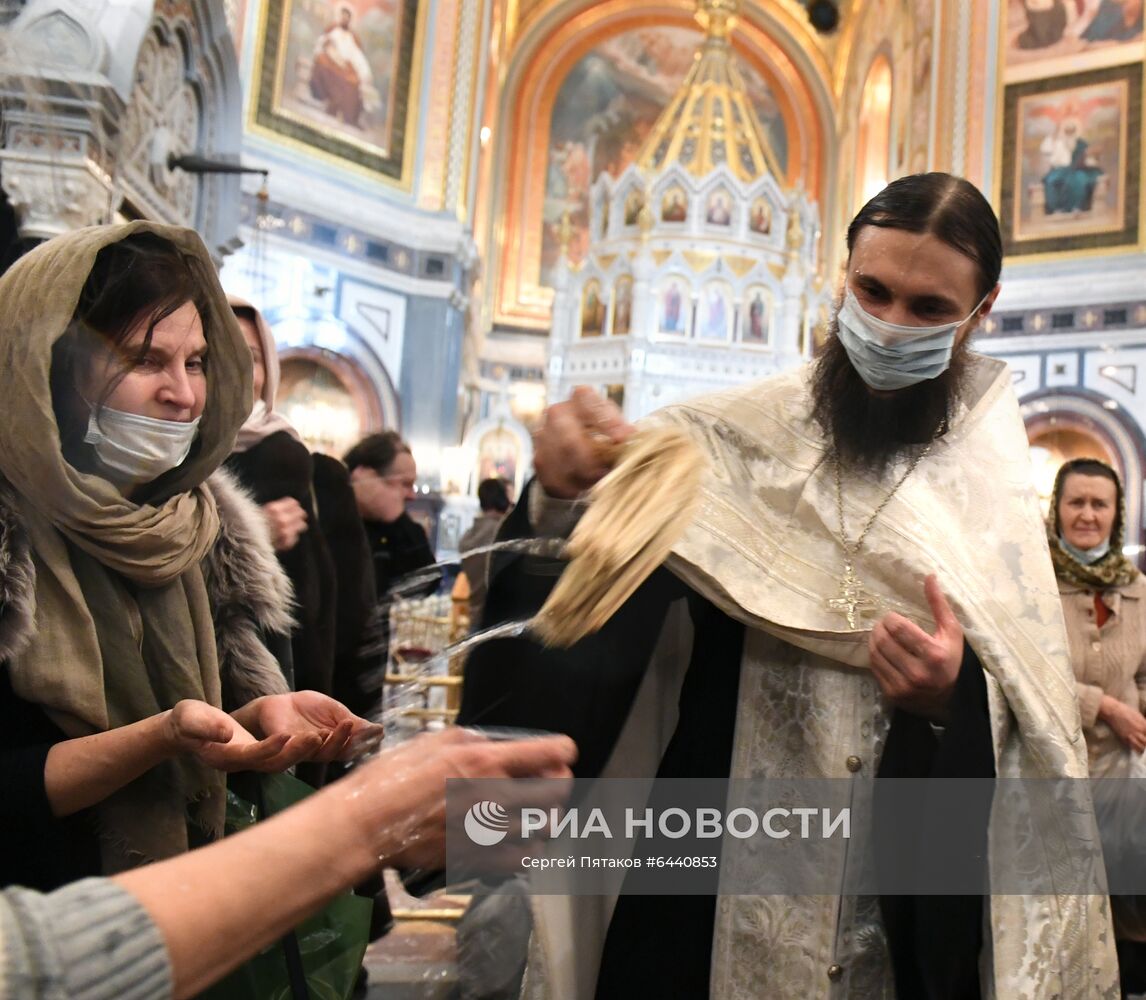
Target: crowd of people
(869, 591)
(162, 625)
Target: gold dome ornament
(717, 17)
(710, 122)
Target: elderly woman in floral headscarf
(1104, 602)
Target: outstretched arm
(175, 927)
(82, 772)
(219, 905)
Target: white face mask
(1086, 556)
(135, 449)
(258, 411)
(889, 356)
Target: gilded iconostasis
(432, 235)
(514, 110)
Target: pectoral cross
(853, 601)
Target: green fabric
(123, 626)
(331, 943)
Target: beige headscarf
(269, 421)
(123, 624)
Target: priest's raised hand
(572, 448)
(916, 670)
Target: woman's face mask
(134, 449)
(888, 356)
(150, 416)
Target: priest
(865, 592)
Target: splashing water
(399, 698)
(407, 701)
(553, 548)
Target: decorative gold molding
(739, 266)
(440, 111)
(699, 260)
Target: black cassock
(661, 946)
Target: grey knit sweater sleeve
(88, 941)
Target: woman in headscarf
(318, 536)
(132, 575)
(275, 467)
(1104, 603)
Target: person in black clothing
(329, 566)
(321, 544)
(382, 472)
(493, 498)
(738, 659)
(277, 469)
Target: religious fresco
(674, 205)
(605, 107)
(592, 310)
(499, 453)
(336, 75)
(754, 317)
(1071, 162)
(622, 306)
(760, 217)
(1050, 37)
(714, 312)
(718, 208)
(674, 307)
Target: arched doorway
(330, 402)
(334, 377)
(1058, 442)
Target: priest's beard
(869, 430)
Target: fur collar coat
(250, 595)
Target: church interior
(526, 195)
(453, 212)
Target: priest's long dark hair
(951, 208)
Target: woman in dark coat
(382, 472)
(317, 534)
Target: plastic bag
(330, 944)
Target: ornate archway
(550, 47)
(338, 350)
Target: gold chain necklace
(854, 600)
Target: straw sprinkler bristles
(635, 516)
